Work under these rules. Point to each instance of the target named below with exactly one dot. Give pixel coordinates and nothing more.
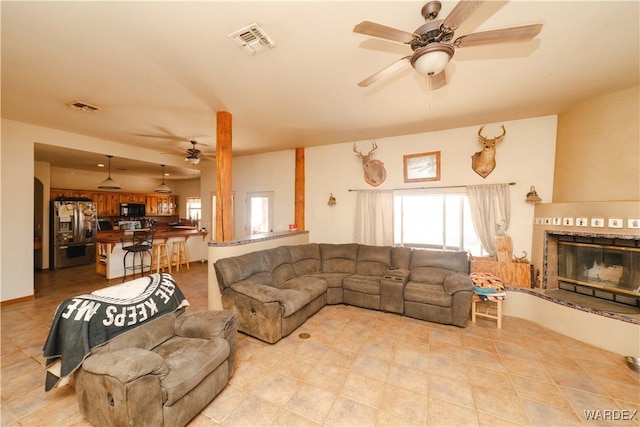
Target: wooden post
(224, 218)
(299, 189)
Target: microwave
(132, 209)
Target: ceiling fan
(193, 154)
(433, 43)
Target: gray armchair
(162, 373)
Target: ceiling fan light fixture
(432, 58)
(192, 160)
(109, 183)
(163, 188)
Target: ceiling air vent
(82, 106)
(252, 39)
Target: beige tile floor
(359, 367)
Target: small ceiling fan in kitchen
(433, 43)
(194, 155)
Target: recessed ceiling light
(100, 165)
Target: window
(259, 213)
(194, 209)
(434, 220)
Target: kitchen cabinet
(151, 203)
(174, 203)
(108, 202)
(163, 205)
(113, 204)
(132, 198)
(54, 193)
(100, 199)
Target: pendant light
(109, 184)
(164, 188)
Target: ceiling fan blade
(378, 30)
(460, 13)
(386, 72)
(504, 35)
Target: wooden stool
(179, 254)
(160, 257)
(488, 305)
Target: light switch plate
(633, 223)
(582, 222)
(567, 222)
(597, 222)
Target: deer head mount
(483, 162)
(374, 171)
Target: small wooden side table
(487, 302)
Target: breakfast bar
(109, 253)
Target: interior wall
(273, 171)
(16, 227)
(598, 150)
(525, 156)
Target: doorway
(259, 215)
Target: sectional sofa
(275, 290)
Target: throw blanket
(87, 321)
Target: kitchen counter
(110, 255)
(166, 233)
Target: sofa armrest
(126, 364)
(456, 282)
(262, 293)
(206, 324)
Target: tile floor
(359, 367)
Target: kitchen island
(110, 255)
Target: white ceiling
(163, 69)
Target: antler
(496, 139)
(374, 147)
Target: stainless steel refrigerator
(73, 233)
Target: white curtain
(490, 211)
(374, 218)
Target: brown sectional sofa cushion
(276, 290)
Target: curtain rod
(428, 188)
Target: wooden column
(299, 189)
(224, 218)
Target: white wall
(264, 172)
(525, 156)
(16, 226)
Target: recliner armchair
(162, 373)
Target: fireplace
(601, 266)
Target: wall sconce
(532, 196)
(332, 200)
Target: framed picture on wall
(422, 167)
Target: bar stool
(179, 254)
(140, 243)
(160, 257)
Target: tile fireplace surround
(606, 220)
